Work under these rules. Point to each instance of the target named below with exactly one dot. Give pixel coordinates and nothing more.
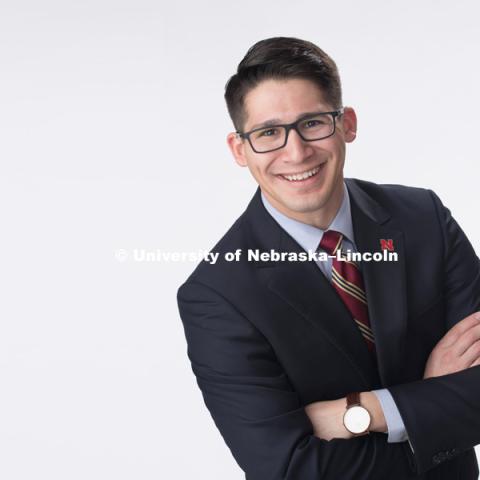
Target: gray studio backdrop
(112, 127)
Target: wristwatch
(356, 418)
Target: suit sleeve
(257, 411)
(442, 414)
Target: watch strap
(353, 398)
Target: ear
(237, 147)
(349, 120)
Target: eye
(268, 132)
(313, 123)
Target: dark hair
(281, 58)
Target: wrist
(378, 422)
(327, 418)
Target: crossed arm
(273, 437)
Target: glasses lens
(317, 127)
(268, 138)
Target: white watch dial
(356, 419)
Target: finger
(471, 354)
(459, 328)
(466, 341)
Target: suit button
(451, 453)
(439, 457)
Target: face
(314, 200)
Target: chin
(304, 205)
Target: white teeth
(302, 176)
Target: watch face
(356, 419)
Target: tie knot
(330, 242)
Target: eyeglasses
(313, 127)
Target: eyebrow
(276, 121)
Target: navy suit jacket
(267, 338)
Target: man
(332, 368)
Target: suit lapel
(304, 287)
(384, 282)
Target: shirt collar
(308, 236)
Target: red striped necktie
(347, 281)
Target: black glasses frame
(292, 126)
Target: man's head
(283, 79)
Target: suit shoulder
(233, 239)
(393, 190)
(400, 198)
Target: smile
(298, 177)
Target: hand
(458, 350)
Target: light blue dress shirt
(309, 237)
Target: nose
(296, 150)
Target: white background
(112, 135)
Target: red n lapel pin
(387, 244)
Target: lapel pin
(387, 244)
